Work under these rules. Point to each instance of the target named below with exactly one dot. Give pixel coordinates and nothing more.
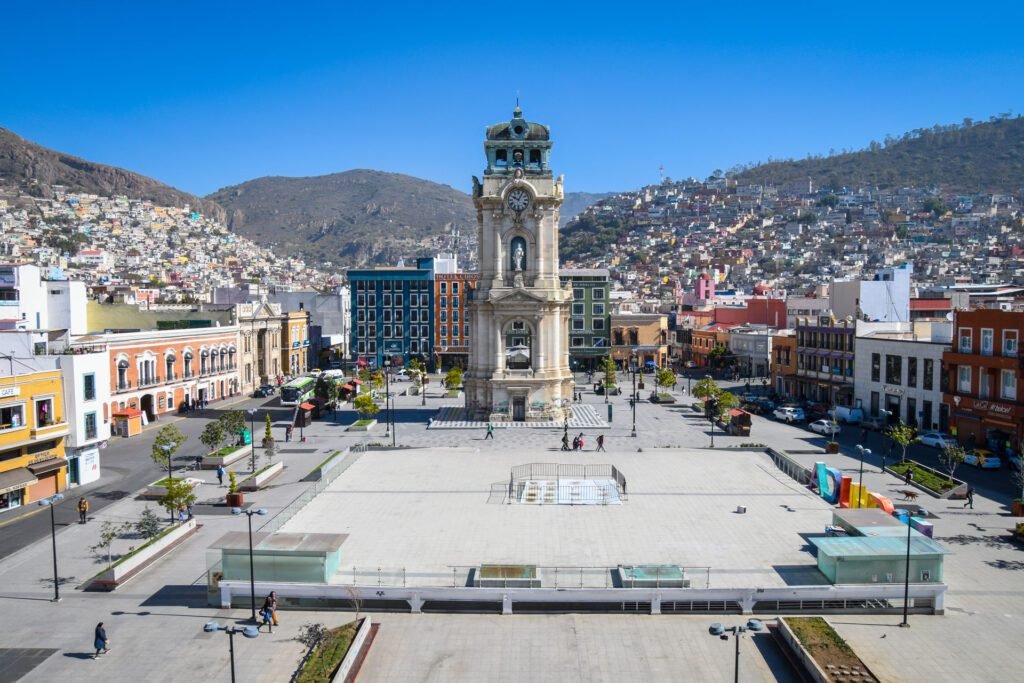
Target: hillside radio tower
(661, 172)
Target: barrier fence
(343, 462)
(463, 576)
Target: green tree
(829, 200)
(109, 532)
(213, 435)
(232, 422)
(453, 380)
(377, 380)
(365, 405)
(706, 389)
(179, 492)
(726, 402)
(148, 525)
(168, 440)
(608, 365)
(666, 378)
(935, 205)
(268, 433)
(416, 372)
(326, 389)
(717, 354)
(952, 456)
(903, 435)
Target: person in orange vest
(83, 510)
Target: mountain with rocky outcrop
(34, 170)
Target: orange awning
(307, 406)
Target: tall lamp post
(860, 481)
(634, 400)
(252, 573)
(885, 430)
(252, 436)
(247, 631)
(51, 501)
(737, 631)
(168, 448)
(906, 576)
(387, 398)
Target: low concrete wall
(800, 653)
(355, 650)
(361, 428)
(258, 481)
(210, 462)
(959, 492)
(154, 491)
(122, 572)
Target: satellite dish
(949, 316)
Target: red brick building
(451, 318)
(983, 374)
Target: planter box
(128, 568)
(806, 660)
(663, 399)
(959, 491)
(210, 462)
(831, 448)
(156, 490)
(260, 479)
(234, 500)
(362, 428)
(356, 652)
(1017, 508)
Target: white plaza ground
(427, 511)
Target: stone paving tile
(453, 417)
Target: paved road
(126, 467)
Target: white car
(826, 427)
(789, 414)
(402, 375)
(983, 458)
(936, 439)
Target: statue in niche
(518, 255)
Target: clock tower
(519, 358)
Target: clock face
(518, 200)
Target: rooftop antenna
(661, 172)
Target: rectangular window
(414, 316)
(387, 299)
(876, 367)
(577, 341)
(387, 285)
(598, 309)
(874, 403)
(90, 425)
(424, 331)
(465, 330)
(361, 331)
(399, 316)
(371, 346)
(455, 288)
(387, 331)
(361, 316)
(444, 288)
(912, 371)
(89, 387)
(443, 303)
(577, 323)
(455, 302)
(984, 384)
(911, 411)
(455, 330)
(444, 330)
(964, 340)
(963, 379)
(577, 309)
(371, 315)
(987, 338)
(360, 300)
(361, 346)
(597, 293)
(387, 315)
(443, 317)
(414, 346)
(578, 294)
(893, 369)
(12, 416)
(371, 299)
(399, 299)
(597, 323)
(1008, 385)
(455, 315)
(371, 331)
(1010, 343)
(424, 299)
(361, 285)
(929, 372)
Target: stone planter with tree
(234, 499)
(366, 408)
(1017, 506)
(903, 435)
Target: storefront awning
(15, 479)
(47, 466)
(307, 406)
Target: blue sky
(204, 95)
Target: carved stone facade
(519, 359)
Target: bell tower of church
(519, 356)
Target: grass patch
(825, 645)
(324, 463)
(258, 472)
(325, 659)
(936, 482)
(361, 423)
(452, 393)
(221, 452)
(163, 482)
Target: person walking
(575, 444)
(565, 442)
(579, 439)
(220, 475)
(490, 431)
(908, 477)
(270, 606)
(288, 433)
(100, 641)
(970, 497)
(83, 510)
(600, 443)
(181, 513)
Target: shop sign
(40, 457)
(992, 408)
(8, 392)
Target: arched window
(122, 374)
(187, 361)
(204, 360)
(169, 369)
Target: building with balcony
(901, 372)
(261, 332)
(34, 298)
(589, 316)
(452, 293)
(825, 360)
(639, 338)
(983, 372)
(161, 371)
(783, 366)
(295, 343)
(392, 314)
(33, 426)
(751, 349)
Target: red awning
(307, 406)
(357, 381)
(347, 386)
(128, 412)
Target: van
(848, 415)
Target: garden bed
(326, 659)
(929, 480)
(822, 651)
(361, 425)
(225, 456)
(663, 398)
(258, 480)
(159, 488)
(130, 564)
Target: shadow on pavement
(177, 596)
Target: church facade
(519, 360)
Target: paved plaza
(155, 621)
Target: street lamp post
(737, 631)
(51, 501)
(387, 398)
(906, 576)
(860, 482)
(885, 414)
(247, 631)
(634, 401)
(252, 436)
(168, 448)
(252, 573)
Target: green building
(590, 317)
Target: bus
(297, 391)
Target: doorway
(147, 407)
(519, 409)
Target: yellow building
(32, 431)
(295, 343)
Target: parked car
(612, 391)
(690, 364)
(936, 439)
(263, 391)
(981, 457)
(826, 427)
(848, 415)
(789, 414)
(816, 411)
(764, 405)
(403, 375)
(874, 423)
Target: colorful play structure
(837, 488)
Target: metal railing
(462, 576)
(565, 471)
(791, 467)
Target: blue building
(392, 313)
